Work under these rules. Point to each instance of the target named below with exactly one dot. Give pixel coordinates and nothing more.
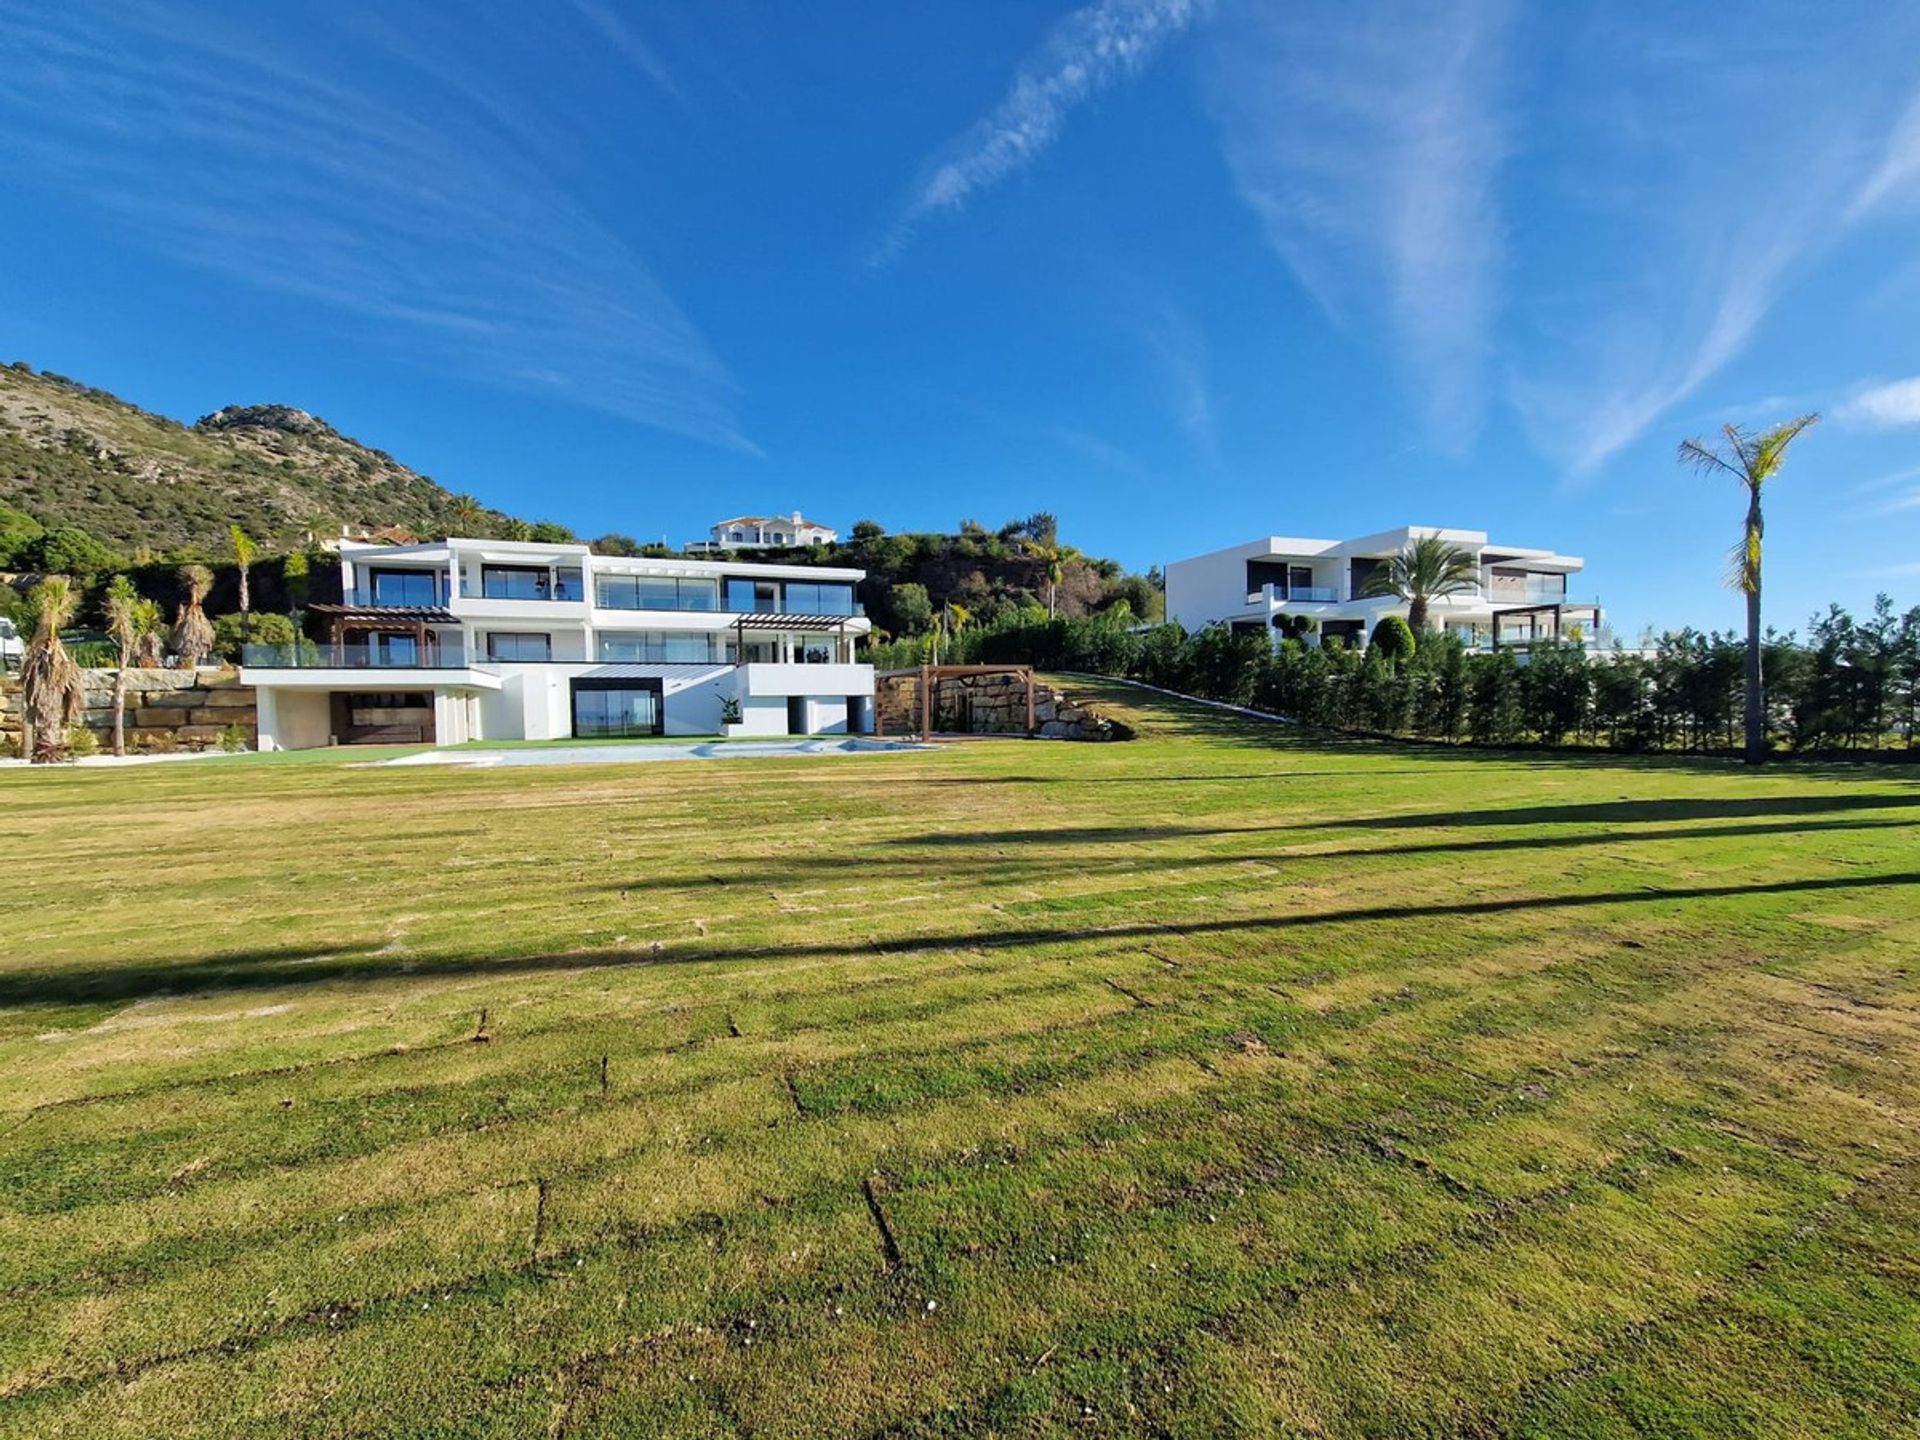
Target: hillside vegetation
(1218, 1083)
(72, 455)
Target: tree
(614, 543)
(909, 608)
(1428, 569)
(192, 634)
(551, 532)
(52, 688)
(465, 515)
(1393, 640)
(17, 532)
(127, 615)
(150, 631)
(868, 530)
(70, 550)
(244, 550)
(296, 575)
(1752, 459)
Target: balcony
(495, 587)
(1296, 594)
(395, 592)
(310, 655)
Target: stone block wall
(166, 709)
(989, 705)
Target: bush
(268, 628)
(1393, 639)
(81, 741)
(233, 739)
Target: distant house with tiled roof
(751, 532)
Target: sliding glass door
(617, 709)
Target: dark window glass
(614, 710)
(404, 587)
(508, 646)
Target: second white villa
(1521, 595)
(463, 639)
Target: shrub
(1393, 639)
(233, 739)
(82, 741)
(268, 628)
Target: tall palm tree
(192, 634)
(125, 613)
(244, 551)
(53, 688)
(465, 513)
(1753, 459)
(1426, 570)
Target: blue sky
(1183, 272)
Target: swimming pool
(621, 754)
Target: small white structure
(761, 532)
(1270, 584)
(464, 639)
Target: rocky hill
(74, 455)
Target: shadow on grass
(808, 869)
(1597, 813)
(284, 966)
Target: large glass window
(753, 597)
(505, 645)
(806, 598)
(660, 645)
(616, 708)
(403, 587)
(656, 592)
(527, 582)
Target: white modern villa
(1268, 585)
(461, 640)
(762, 532)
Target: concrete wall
(166, 709)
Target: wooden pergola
(931, 675)
(773, 623)
(414, 620)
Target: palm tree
(465, 513)
(150, 633)
(244, 549)
(125, 612)
(1428, 569)
(53, 688)
(1753, 460)
(192, 634)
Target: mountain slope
(74, 455)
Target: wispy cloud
(1087, 52)
(1368, 141)
(1691, 255)
(1890, 406)
(1181, 361)
(430, 225)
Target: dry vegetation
(1216, 1083)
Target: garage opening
(382, 717)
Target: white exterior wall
(510, 699)
(1214, 588)
(293, 719)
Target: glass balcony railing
(418, 592)
(398, 652)
(514, 587)
(1270, 594)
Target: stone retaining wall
(166, 709)
(989, 705)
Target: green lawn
(1221, 1082)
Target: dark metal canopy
(379, 614)
(767, 620)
